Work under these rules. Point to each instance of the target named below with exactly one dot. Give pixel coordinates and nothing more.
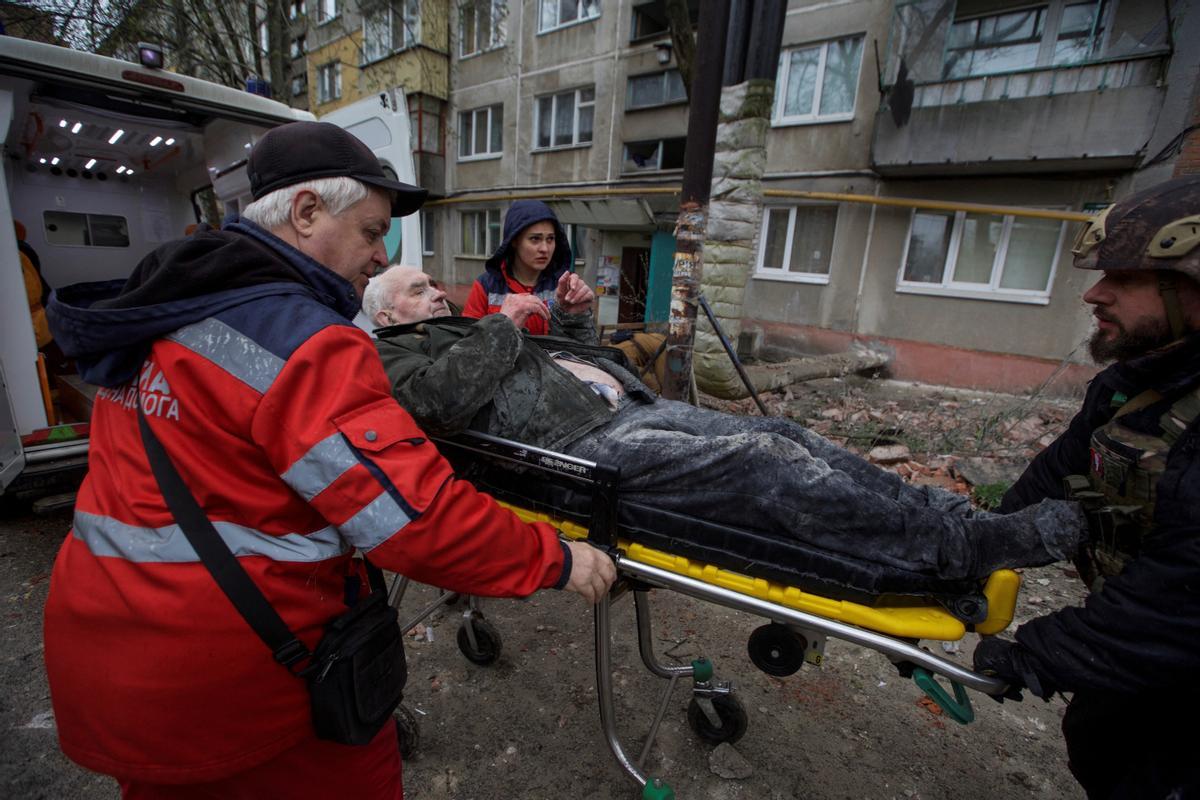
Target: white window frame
(322, 95)
(764, 272)
(496, 9)
(409, 35)
(814, 117)
(492, 119)
(299, 84)
(537, 119)
(328, 10)
(582, 7)
(975, 291)
(484, 214)
(662, 76)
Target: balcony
(1058, 87)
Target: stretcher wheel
(408, 731)
(731, 713)
(777, 650)
(487, 642)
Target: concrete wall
(1051, 330)
(832, 145)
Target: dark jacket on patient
(503, 381)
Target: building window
(299, 85)
(1018, 40)
(327, 10)
(968, 254)
(558, 13)
(390, 26)
(481, 132)
(656, 89)
(565, 119)
(329, 82)
(480, 26)
(297, 48)
(818, 83)
(796, 243)
(428, 233)
(480, 232)
(653, 154)
(264, 38)
(296, 9)
(1080, 32)
(650, 19)
(425, 117)
(996, 43)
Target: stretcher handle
(957, 708)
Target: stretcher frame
(641, 569)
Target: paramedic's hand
(572, 294)
(592, 572)
(520, 307)
(994, 658)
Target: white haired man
(238, 349)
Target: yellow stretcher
(799, 619)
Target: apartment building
(358, 48)
(925, 163)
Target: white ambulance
(104, 160)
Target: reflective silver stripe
(376, 523)
(497, 298)
(230, 350)
(314, 471)
(105, 536)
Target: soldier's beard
(1122, 344)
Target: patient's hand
(520, 307)
(572, 294)
(592, 572)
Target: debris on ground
(963, 441)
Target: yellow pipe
(840, 197)
(554, 194)
(939, 205)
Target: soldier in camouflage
(1131, 655)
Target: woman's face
(535, 245)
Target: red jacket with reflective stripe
(279, 417)
(488, 291)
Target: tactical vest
(1121, 486)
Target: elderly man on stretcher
(768, 474)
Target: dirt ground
(528, 726)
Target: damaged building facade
(925, 166)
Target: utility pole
(703, 110)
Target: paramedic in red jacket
(275, 409)
(533, 263)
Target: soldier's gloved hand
(1012, 663)
(994, 658)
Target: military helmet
(1155, 229)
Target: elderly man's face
(351, 244)
(413, 297)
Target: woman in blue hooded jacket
(532, 263)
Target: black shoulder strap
(216, 555)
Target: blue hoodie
(108, 327)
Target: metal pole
(729, 351)
(703, 111)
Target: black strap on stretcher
(602, 527)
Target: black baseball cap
(305, 151)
